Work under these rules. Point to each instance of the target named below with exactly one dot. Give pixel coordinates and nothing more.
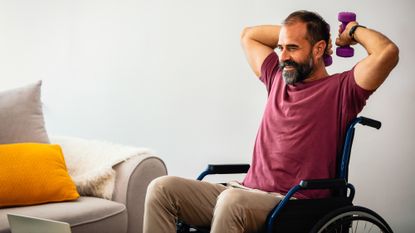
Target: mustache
(288, 63)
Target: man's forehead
(293, 32)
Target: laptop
(28, 224)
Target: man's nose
(284, 56)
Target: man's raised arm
(383, 55)
(258, 42)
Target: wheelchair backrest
(343, 164)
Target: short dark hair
(317, 28)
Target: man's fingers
(329, 49)
(339, 42)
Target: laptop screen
(28, 224)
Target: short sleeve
(269, 69)
(355, 96)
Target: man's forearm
(373, 41)
(264, 34)
(258, 42)
(383, 55)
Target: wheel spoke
(371, 228)
(357, 224)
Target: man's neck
(319, 73)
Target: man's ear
(319, 49)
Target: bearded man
(301, 132)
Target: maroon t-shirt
(302, 129)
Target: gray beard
(298, 74)
(290, 77)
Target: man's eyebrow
(290, 46)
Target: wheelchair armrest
(323, 184)
(332, 184)
(227, 168)
(224, 169)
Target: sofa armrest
(134, 169)
(132, 178)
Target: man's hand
(343, 38)
(329, 48)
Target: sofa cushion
(21, 116)
(87, 214)
(33, 173)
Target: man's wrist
(353, 29)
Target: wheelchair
(336, 214)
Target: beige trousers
(200, 203)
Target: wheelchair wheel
(351, 219)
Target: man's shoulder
(331, 80)
(340, 78)
(344, 74)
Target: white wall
(170, 75)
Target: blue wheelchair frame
(341, 182)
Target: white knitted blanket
(90, 163)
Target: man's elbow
(245, 33)
(393, 54)
(245, 36)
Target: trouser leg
(169, 198)
(239, 211)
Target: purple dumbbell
(345, 18)
(327, 60)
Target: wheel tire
(348, 215)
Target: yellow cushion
(32, 173)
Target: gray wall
(170, 75)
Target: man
(301, 131)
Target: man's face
(296, 58)
(294, 72)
